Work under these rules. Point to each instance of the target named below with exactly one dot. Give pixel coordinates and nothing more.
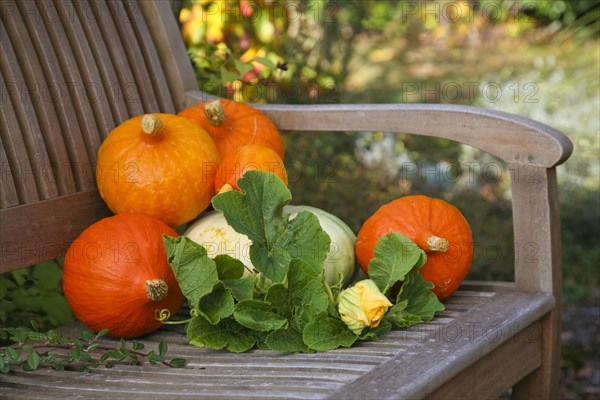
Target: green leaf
(137, 345)
(195, 272)
(47, 276)
(422, 260)
(258, 315)
(399, 316)
(33, 360)
(20, 276)
(103, 332)
(241, 289)
(303, 298)
(13, 354)
(76, 353)
(87, 335)
(226, 334)
(229, 267)
(307, 241)
(117, 355)
(326, 333)
(178, 362)
(163, 348)
(155, 358)
(395, 256)
(55, 305)
(4, 367)
(276, 240)
(422, 302)
(35, 325)
(375, 333)
(93, 346)
(37, 336)
(287, 340)
(218, 304)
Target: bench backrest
(71, 72)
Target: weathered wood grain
(45, 229)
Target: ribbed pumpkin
(161, 165)
(436, 226)
(247, 158)
(233, 124)
(116, 275)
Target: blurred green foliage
(533, 58)
(34, 294)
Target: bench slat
(126, 86)
(12, 184)
(150, 58)
(142, 81)
(50, 227)
(25, 146)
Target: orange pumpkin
(116, 275)
(436, 226)
(246, 158)
(232, 125)
(161, 165)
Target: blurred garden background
(536, 58)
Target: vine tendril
(164, 315)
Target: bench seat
(479, 320)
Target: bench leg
(543, 383)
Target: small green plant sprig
(33, 350)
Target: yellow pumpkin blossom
(362, 305)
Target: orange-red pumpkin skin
(105, 273)
(242, 125)
(247, 158)
(421, 217)
(169, 176)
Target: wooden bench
(71, 71)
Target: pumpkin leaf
(257, 212)
(228, 334)
(217, 304)
(229, 267)
(395, 256)
(399, 316)
(326, 333)
(287, 340)
(258, 315)
(241, 289)
(421, 301)
(303, 298)
(195, 272)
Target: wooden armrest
(509, 137)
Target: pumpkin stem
(435, 243)
(152, 124)
(215, 112)
(156, 289)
